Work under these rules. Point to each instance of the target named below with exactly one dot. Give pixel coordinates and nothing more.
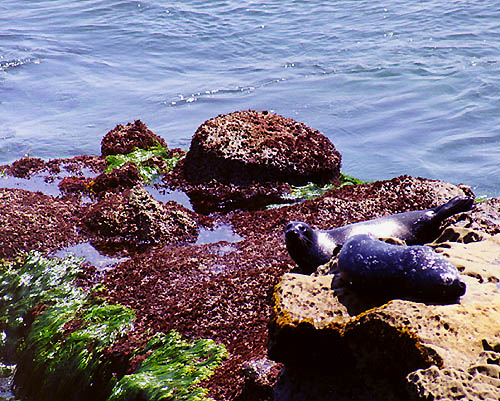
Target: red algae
(124, 138)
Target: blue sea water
(399, 87)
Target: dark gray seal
(311, 248)
(386, 271)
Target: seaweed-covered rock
(25, 167)
(124, 138)
(34, 221)
(74, 185)
(258, 146)
(125, 176)
(134, 217)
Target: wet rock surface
(327, 342)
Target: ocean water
(399, 87)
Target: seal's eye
(302, 228)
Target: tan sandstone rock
(409, 349)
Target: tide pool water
(399, 87)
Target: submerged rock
(124, 138)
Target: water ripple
(393, 83)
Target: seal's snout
(453, 290)
(460, 287)
(296, 229)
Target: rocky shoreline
(288, 336)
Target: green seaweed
(312, 191)
(346, 179)
(60, 334)
(172, 371)
(140, 158)
(28, 283)
(71, 361)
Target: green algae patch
(172, 371)
(311, 190)
(56, 331)
(346, 179)
(27, 284)
(58, 335)
(143, 158)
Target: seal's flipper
(456, 205)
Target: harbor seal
(387, 271)
(311, 248)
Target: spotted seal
(388, 271)
(311, 248)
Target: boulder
(305, 311)
(124, 138)
(134, 217)
(258, 146)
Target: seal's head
(302, 245)
(299, 232)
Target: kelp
(60, 335)
(140, 158)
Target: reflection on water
(222, 232)
(87, 251)
(164, 195)
(36, 183)
(43, 182)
